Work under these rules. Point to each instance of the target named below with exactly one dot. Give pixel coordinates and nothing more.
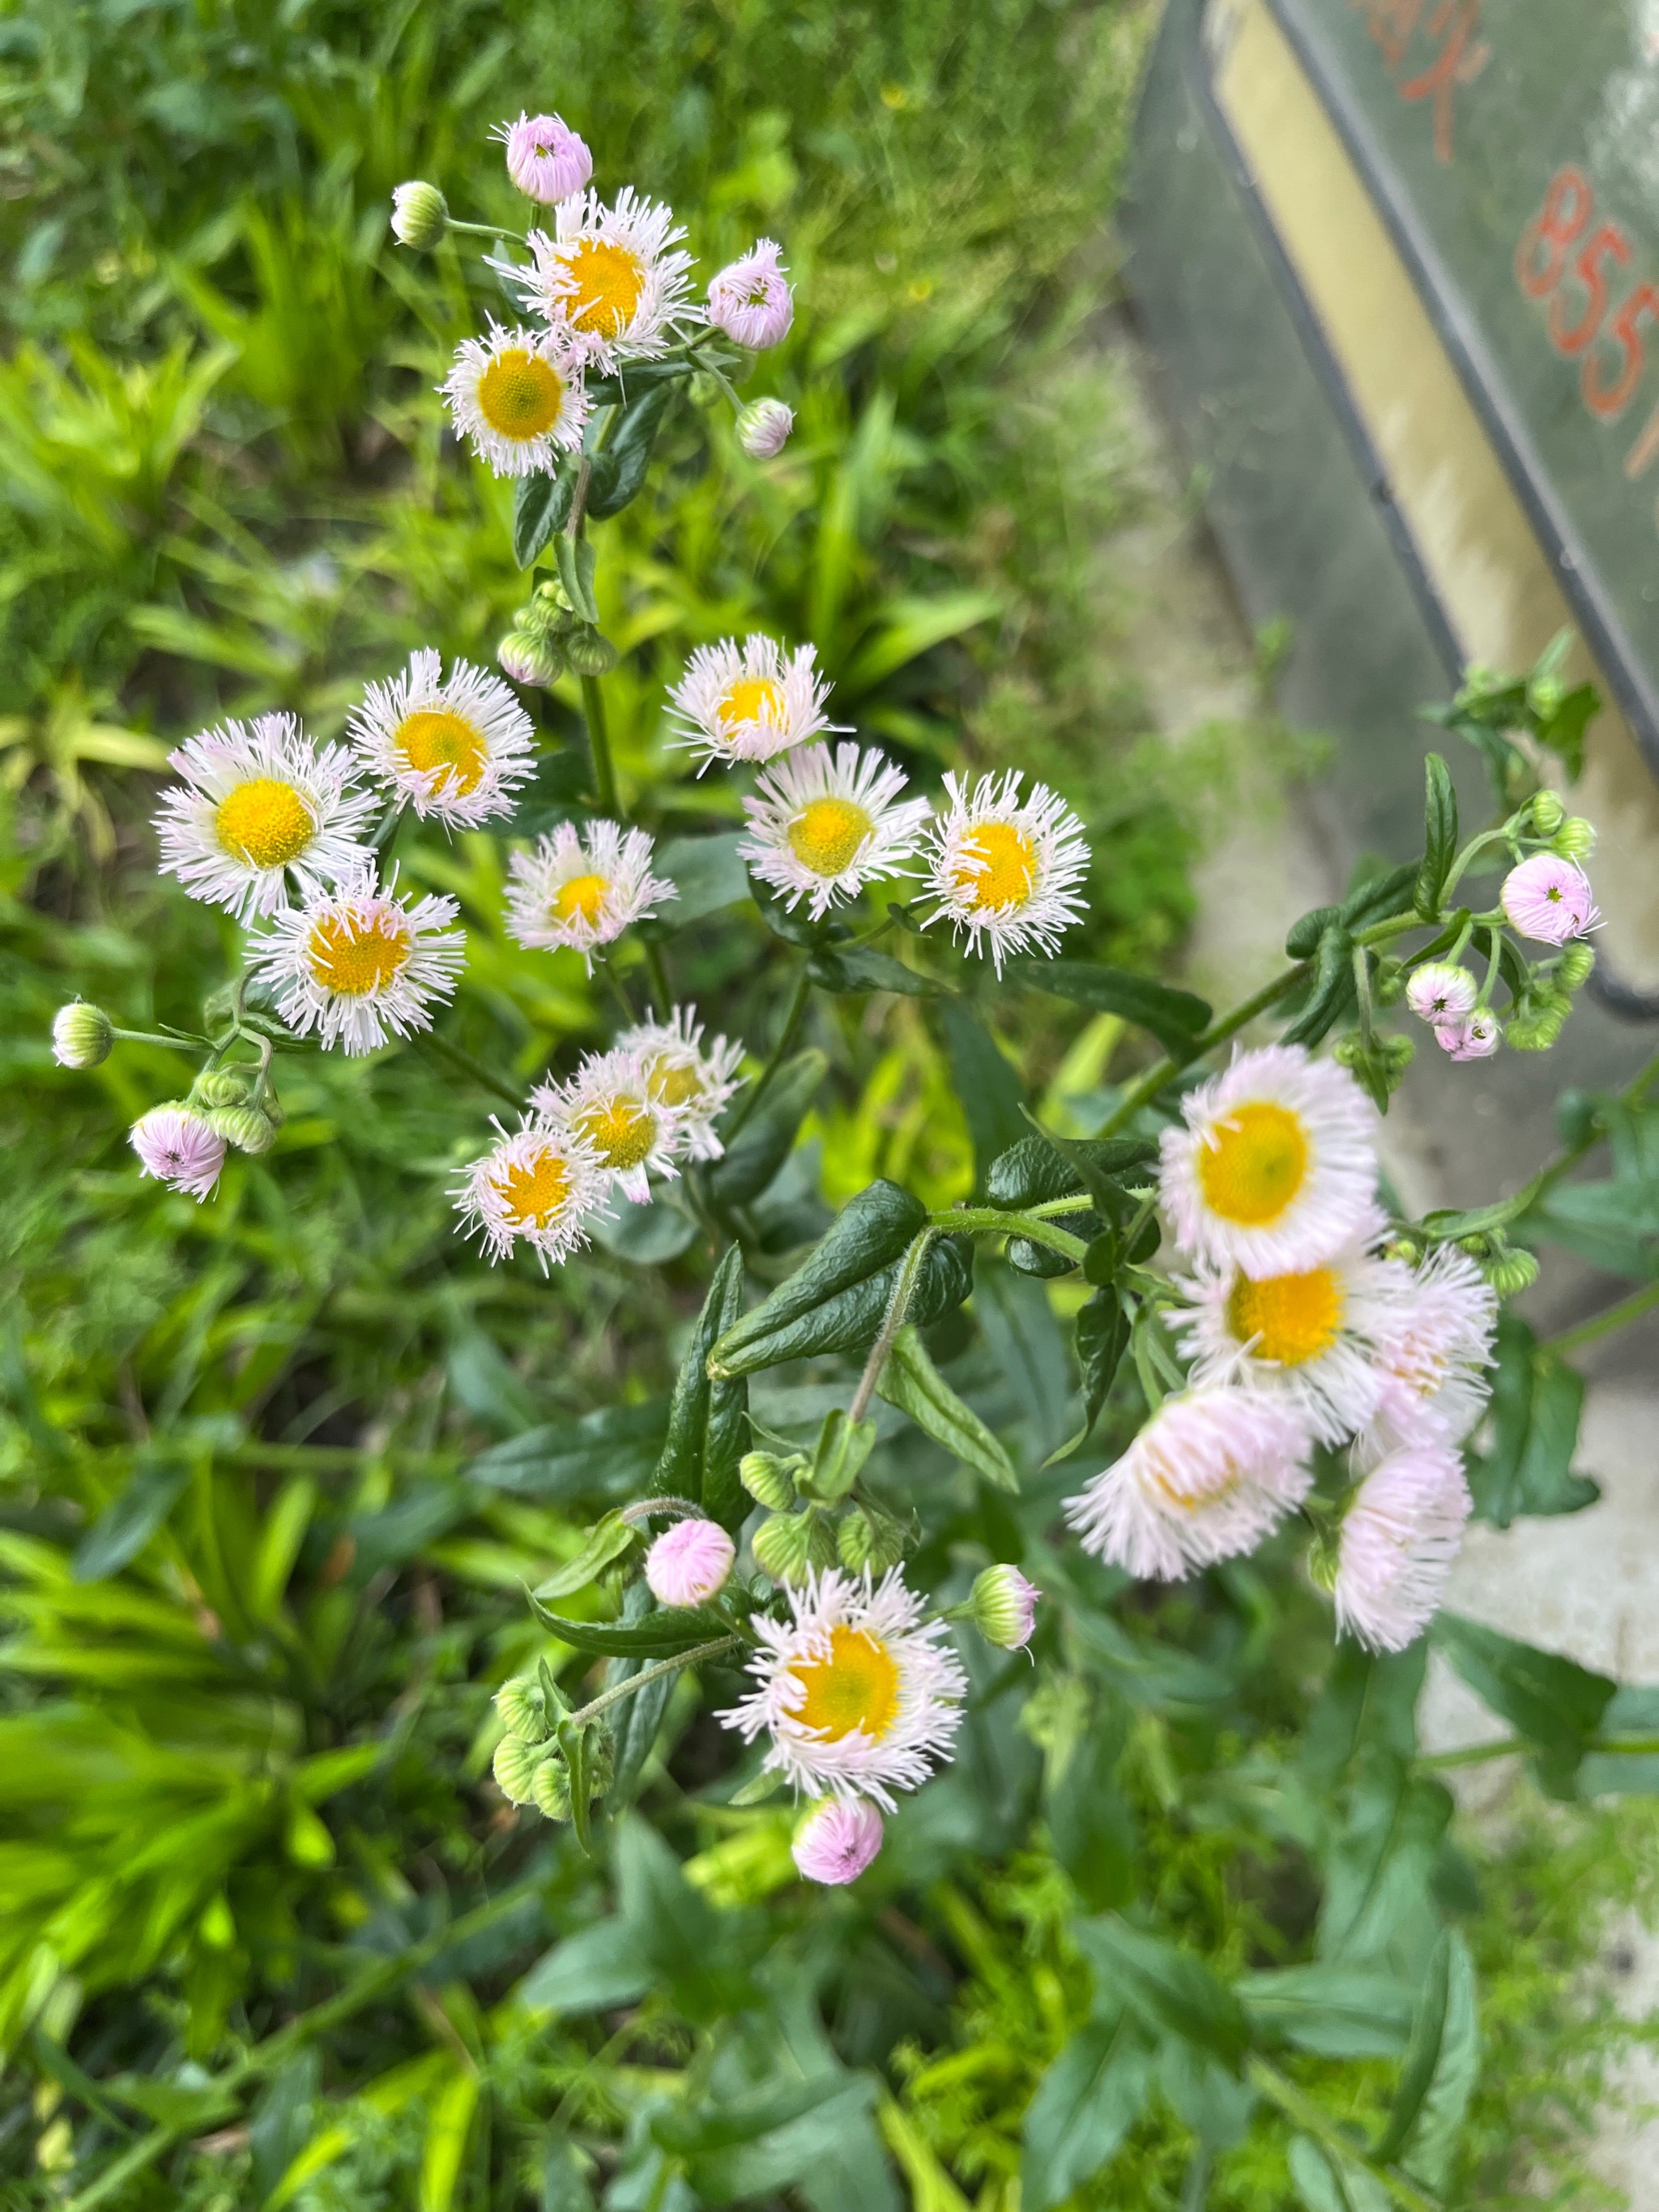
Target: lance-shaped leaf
(871, 1230)
(618, 471)
(1084, 2106)
(1536, 1402)
(765, 1141)
(1170, 1991)
(1100, 1337)
(541, 505)
(912, 1382)
(849, 1319)
(607, 1540)
(1443, 2063)
(657, 1636)
(708, 1416)
(1439, 836)
(575, 558)
(988, 1086)
(1331, 990)
(857, 969)
(633, 1723)
(1175, 1018)
(1556, 1704)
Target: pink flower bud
(179, 1147)
(751, 299)
(1441, 991)
(1005, 1607)
(1477, 1038)
(838, 1840)
(689, 1563)
(545, 159)
(1549, 899)
(764, 429)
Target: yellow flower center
(534, 1194)
(582, 899)
(676, 1083)
(621, 1130)
(521, 395)
(609, 280)
(750, 699)
(263, 823)
(998, 866)
(1169, 1486)
(434, 738)
(856, 1686)
(1254, 1164)
(1295, 1317)
(825, 835)
(353, 959)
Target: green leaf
(708, 1418)
(541, 505)
(129, 1520)
(857, 969)
(633, 1723)
(707, 874)
(1090, 1820)
(1025, 1337)
(1328, 2183)
(1331, 2011)
(843, 1446)
(910, 628)
(1100, 1337)
(619, 469)
(1378, 1903)
(564, 2183)
(679, 1933)
(1556, 1704)
(646, 1236)
(1170, 1991)
(659, 1636)
(912, 1382)
(578, 1770)
(849, 1319)
(592, 1970)
(449, 2123)
(1331, 991)
(1085, 2106)
(1442, 2066)
(575, 559)
(988, 1088)
(607, 1454)
(1536, 1402)
(607, 1540)
(1042, 1166)
(1439, 836)
(1302, 941)
(766, 1138)
(1379, 896)
(872, 1229)
(1175, 1018)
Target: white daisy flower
(698, 1081)
(1003, 868)
(613, 278)
(540, 1186)
(260, 802)
(1311, 1336)
(357, 964)
(1213, 1473)
(609, 1105)
(457, 750)
(517, 396)
(749, 701)
(1399, 1539)
(1275, 1169)
(822, 825)
(582, 890)
(859, 1698)
(1433, 1360)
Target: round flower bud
(588, 652)
(1576, 839)
(1004, 1607)
(81, 1035)
(763, 427)
(514, 1767)
(1478, 1038)
(1440, 992)
(782, 1545)
(250, 1128)
(550, 1790)
(522, 1708)
(1547, 813)
(689, 1563)
(751, 299)
(541, 616)
(1549, 899)
(222, 1086)
(420, 214)
(769, 1479)
(545, 159)
(1513, 1272)
(1575, 966)
(837, 1840)
(868, 1540)
(529, 660)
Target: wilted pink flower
(689, 1563)
(837, 1839)
(177, 1147)
(1399, 1540)
(751, 301)
(763, 427)
(1549, 899)
(1477, 1038)
(1441, 991)
(545, 159)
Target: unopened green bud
(81, 1035)
(770, 1480)
(1536, 1030)
(550, 1790)
(589, 653)
(523, 1709)
(1575, 840)
(420, 214)
(1575, 966)
(250, 1128)
(1323, 1555)
(514, 1768)
(529, 660)
(1004, 1607)
(222, 1086)
(1389, 984)
(1513, 1272)
(1547, 813)
(869, 1540)
(542, 616)
(1478, 1246)
(782, 1545)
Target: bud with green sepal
(81, 1035)
(769, 1478)
(1380, 1060)
(1545, 813)
(589, 652)
(1575, 966)
(1511, 1271)
(788, 1547)
(866, 1538)
(250, 1128)
(514, 1767)
(522, 1704)
(530, 659)
(1575, 840)
(420, 214)
(1002, 1606)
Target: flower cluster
(1301, 1328)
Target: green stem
(892, 1322)
(991, 1221)
(461, 1061)
(486, 230)
(599, 746)
(1164, 1071)
(653, 1673)
(1605, 1322)
(657, 973)
(1313, 2119)
(780, 1051)
(148, 1037)
(1517, 1747)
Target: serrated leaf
(912, 1382)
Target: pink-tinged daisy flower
(1213, 1473)
(689, 1563)
(611, 278)
(1005, 868)
(1477, 1038)
(518, 397)
(751, 299)
(582, 888)
(859, 1697)
(538, 1186)
(610, 1105)
(698, 1081)
(456, 747)
(838, 1840)
(1548, 899)
(1275, 1169)
(749, 701)
(1433, 1358)
(1441, 991)
(358, 964)
(262, 810)
(823, 824)
(545, 159)
(764, 429)
(1400, 1537)
(178, 1146)
(1005, 1607)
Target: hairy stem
(653, 1673)
(989, 1221)
(1605, 1322)
(892, 1322)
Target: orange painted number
(1557, 225)
(1573, 337)
(1608, 400)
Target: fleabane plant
(1270, 1344)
